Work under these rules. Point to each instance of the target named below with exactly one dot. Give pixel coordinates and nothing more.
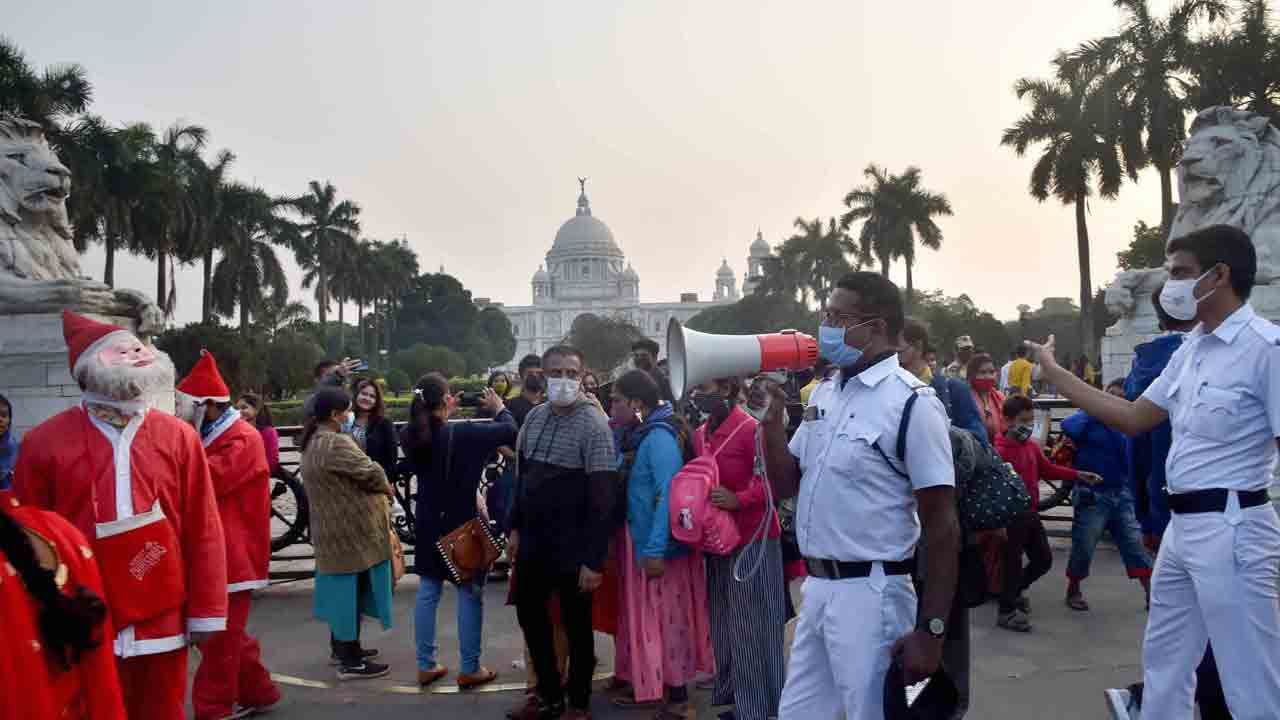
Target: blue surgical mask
(832, 346)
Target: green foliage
(240, 362)
(755, 314)
(398, 381)
(291, 359)
(951, 317)
(606, 341)
(1146, 250)
(437, 310)
(421, 359)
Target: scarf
(227, 418)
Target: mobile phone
(364, 365)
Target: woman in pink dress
(664, 636)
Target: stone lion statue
(1230, 175)
(39, 265)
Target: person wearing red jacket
(1026, 535)
(231, 680)
(136, 482)
(55, 650)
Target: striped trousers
(747, 625)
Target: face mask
(562, 391)
(1178, 298)
(831, 345)
(711, 403)
(348, 422)
(984, 385)
(1021, 433)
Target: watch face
(937, 627)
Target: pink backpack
(694, 520)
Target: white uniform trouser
(841, 653)
(1215, 581)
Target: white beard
(126, 382)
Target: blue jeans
(1112, 510)
(470, 622)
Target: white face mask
(1178, 298)
(562, 391)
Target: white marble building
(587, 272)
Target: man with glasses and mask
(1215, 576)
(561, 524)
(857, 512)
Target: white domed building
(587, 272)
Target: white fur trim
(224, 424)
(127, 645)
(247, 585)
(133, 522)
(206, 625)
(96, 347)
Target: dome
(541, 275)
(583, 234)
(760, 248)
(630, 274)
(725, 271)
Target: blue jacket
(963, 411)
(657, 460)
(1149, 451)
(1099, 449)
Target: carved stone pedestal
(33, 368)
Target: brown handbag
(470, 549)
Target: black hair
(535, 384)
(1015, 405)
(322, 367)
(263, 417)
(493, 377)
(564, 351)
(878, 297)
(1222, 245)
(328, 400)
(429, 395)
(638, 385)
(8, 407)
(68, 624)
(976, 362)
(1020, 351)
(646, 344)
(1167, 321)
(915, 331)
(1116, 382)
(528, 362)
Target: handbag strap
(707, 439)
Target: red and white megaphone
(696, 357)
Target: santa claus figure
(135, 482)
(231, 680)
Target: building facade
(586, 272)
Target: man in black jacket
(561, 524)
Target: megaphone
(696, 357)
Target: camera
(470, 399)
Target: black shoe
(365, 654)
(363, 671)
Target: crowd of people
(673, 519)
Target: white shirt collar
(1230, 328)
(873, 375)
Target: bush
(421, 359)
(398, 381)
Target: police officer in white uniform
(856, 515)
(1215, 577)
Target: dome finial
(584, 205)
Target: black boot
(336, 660)
(354, 667)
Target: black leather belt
(840, 569)
(1214, 500)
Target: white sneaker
(1122, 704)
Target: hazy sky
(462, 125)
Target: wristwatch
(936, 627)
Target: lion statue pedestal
(1229, 175)
(40, 277)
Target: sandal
(1014, 620)
(483, 676)
(679, 711)
(616, 685)
(1077, 602)
(629, 702)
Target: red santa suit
(231, 673)
(142, 493)
(32, 686)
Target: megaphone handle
(762, 532)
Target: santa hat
(85, 337)
(204, 382)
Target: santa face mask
(126, 351)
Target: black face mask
(712, 404)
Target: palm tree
(1069, 118)
(1145, 67)
(341, 279)
(325, 223)
(396, 268)
(1241, 66)
(362, 282)
(249, 275)
(271, 315)
(209, 190)
(880, 237)
(46, 98)
(170, 204)
(817, 256)
(916, 209)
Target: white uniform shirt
(1222, 393)
(853, 505)
(1004, 376)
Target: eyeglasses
(833, 318)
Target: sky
(463, 126)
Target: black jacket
(381, 446)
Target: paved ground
(1057, 672)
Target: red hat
(204, 382)
(81, 334)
